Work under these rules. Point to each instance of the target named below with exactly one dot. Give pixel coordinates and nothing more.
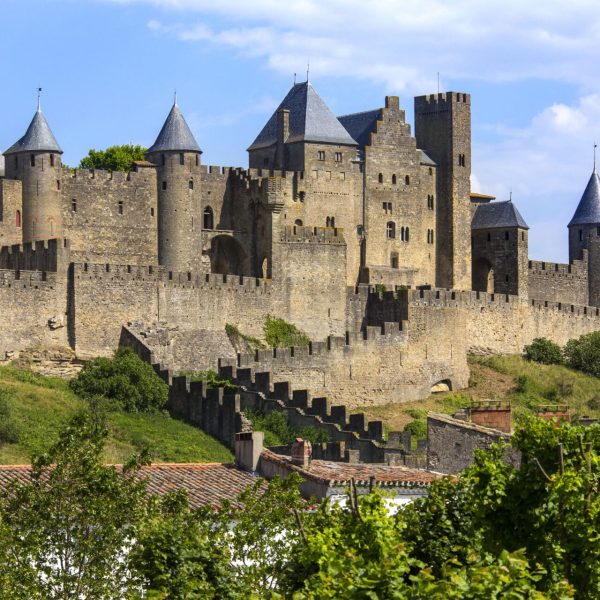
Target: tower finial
(595, 146)
(510, 195)
(307, 70)
(39, 103)
(294, 78)
(174, 97)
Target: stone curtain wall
(558, 282)
(10, 203)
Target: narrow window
(581, 235)
(489, 237)
(301, 196)
(152, 212)
(164, 185)
(181, 158)
(380, 177)
(52, 160)
(523, 235)
(506, 236)
(74, 205)
(402, 234)
(391, 230)
(394, 179)
(597, 230)
(407, 180)
(197, 159)
(16, 162)
(120, 207)
(32, 160)
(432, 236)
(406, 235)
(338, 157)
(18, 218)
(163, 160)
(430, 171)
(58, 184)
(506, 278)
(394, 260)
(190, 184)
(208, 218)
(321, 154)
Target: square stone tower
(443, 131)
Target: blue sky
(108, 69)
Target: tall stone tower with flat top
(35, 160)
(443, 131)
(176, 155)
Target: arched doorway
(483, 276)
(227, 256)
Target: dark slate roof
(588, 209)
(498, 214)
(426, 160)
(360, 125)
(37, 138)
(310, 120)
(175, 135)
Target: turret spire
(175, 134)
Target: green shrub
(544, 351)
(417, 428)
(380, 288)
(524, 384)
(583, 353)
(125, 379)
(279, 431)
(233, 333)
(314, 435)
(594, 402)
(211, 377)
(9, 432)
(281, 334)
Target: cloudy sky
(108, 69)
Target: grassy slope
(497, 377)
(40, 405)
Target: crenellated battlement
(99, 176)
(316, 235)
(441, 100)
(28, 279)
(47, 255)
(578, 268)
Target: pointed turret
(35, 161)
(175, 135)
(176, 155)
(37, 138)
(301, 120)
(588, 209)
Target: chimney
(301, 453)
(248, 448)
(283, 125)
(491, 413)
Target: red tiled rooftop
(206, 483)
(338, 473)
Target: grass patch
(235, 334)
(40, 406)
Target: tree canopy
(114, 158)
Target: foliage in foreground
(114, 158)
(544, 351)
(124, 380)
(583, 353)
(497, 532)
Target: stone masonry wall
(11, 212)
(559, 282)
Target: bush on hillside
(9, 433)
(281, 334)
(126, 380)
(583, 353)
(544, 351)
(417, 428)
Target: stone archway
(227, 256)
(483, 276)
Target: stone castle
(362, 234)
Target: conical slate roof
(588, 209)
(310, 121)
(175, 135)
(498, 214)
(37, 138)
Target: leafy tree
(281, 334)
(66, 534)
(114, 158)
(126, 380)
(583, 353)
(545, 351)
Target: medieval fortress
(362, 234)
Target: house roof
(175, 135)
(588, 209)
(360, 125)
(310, 120)
(496, 215)
(37, 138)
(339, 473)
(206, 483)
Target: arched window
(391, 230)
(406, 235)
(380, 177)
(330, 222)
(394, 179)
(18, 219)
(208, 218)
(181, 158)
(298, 222)
(402, 234)
(407, 180)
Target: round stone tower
(176, 155)
(35, 161)
(584, 235)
